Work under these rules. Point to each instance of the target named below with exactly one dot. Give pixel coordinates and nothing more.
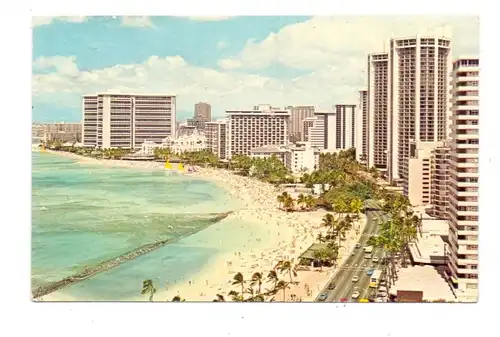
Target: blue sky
(230, 62)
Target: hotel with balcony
(216, 134)
(464, 180)
(419, 105)
(125, 120)
(377, 111)
(362, 135)
(249, 129)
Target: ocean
(83, 214)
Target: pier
(116, 261)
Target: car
(375, 259)
(322, 297)
(375, 218)
(355, 279)
(331, 286)
(343, 300)
(363, 300)
(370, 272)
(353, 254)
(368, 256)
(381, 294)
(358, 245)
(355, 294)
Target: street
(357, 265)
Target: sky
(229, 62)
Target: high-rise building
(307, 124)
(362, 134)
(297, 115)
(378, 107)
(439, 181)
(464, 180)
(322, 134)
(125, 120)
(262, 126)
(216, 133)
(203, 111)
(345, 136)
(419, 179)
(419, 105)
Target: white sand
(295, 232)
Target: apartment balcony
(467, 271)
(463, 250)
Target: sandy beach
(292, 233)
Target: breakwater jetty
(116, 261)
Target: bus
(375, 278)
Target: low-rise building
(302, 158)
(267, 151)
(192, 143)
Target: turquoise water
(83, 214)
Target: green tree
(148, 288)
(239, 280)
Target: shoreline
(290, 234)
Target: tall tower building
(307, 124)
(203, 111)
(345, 136)
(419, 105)
(464, 180)
(125, 120)
(362, 135)
(216, 134)
(378, 106)
(439, 181)
(262, 126)
(297, 116)
(322, 134)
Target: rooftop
(309, 253)
(426, 279)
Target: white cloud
(210, 18)
(323, 41)
(221, 45)
(137, 21)
(223, 89)
(332, 52)
(47, 20)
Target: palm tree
(239, 280)
(288, 203)
(328, 221)
(287, 267)
(282, 198)
(235, 296)
(219, 298)
(356, 206)
(257, 280)
(282, 285)
(310, 202)
(301, 201)
(148, 288)
(272, 277)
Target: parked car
(355, 294)
(375, 259)
(331, 286)
(355, 279)
(358, 245)
(343, 300)
(322, 297)
(370, 272)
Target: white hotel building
(126, 120)
(249, 129)
(463, 183)
(419, 104)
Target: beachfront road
(357, 265)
